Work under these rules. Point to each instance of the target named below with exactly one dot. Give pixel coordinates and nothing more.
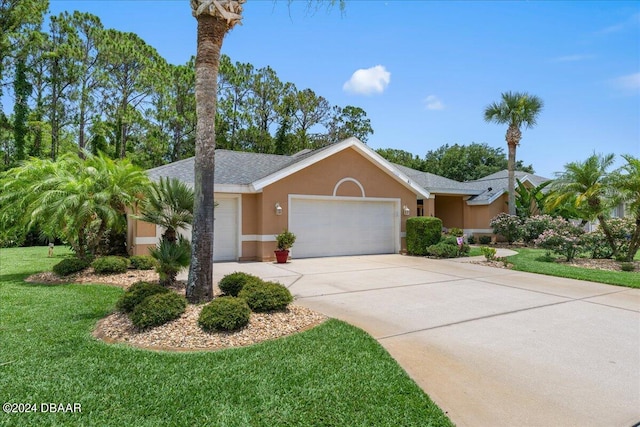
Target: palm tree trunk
(513, 139)
(211, 32)
(634, 244)
(607, 234)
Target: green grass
(332, 375)
(531, 260)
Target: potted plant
(284, 241)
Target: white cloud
(432, 102)
(629, 83)
(368, 81)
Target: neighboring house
(343, 199)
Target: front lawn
(532, 261)
(332, 375)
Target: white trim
(258, 238)
(232, 188)
(397, 217)
(322, 154)
(469, 231)
(348, 179)
(146, 241)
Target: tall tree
(132, 68)
(402, 157)
(62, 73)
(18, 18)
(88, 32)
(22, 90)
(234, 88)
(468, 162)
(516, 109)
(267, 93)
(215, 18)
(347, 122)
(310, 110)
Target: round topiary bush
(143, 262)
(224, 314)
(137, 293)
(232, 284)
(110, 265)
(443, 250)
(266, 296)
(69, 266)
(158, 309)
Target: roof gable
(308, 159)
(246, 172)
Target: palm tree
(76, 199)
(516, 109)
(172, 257)
(587, 185)
(215, 18)
(169, 204)
(627, 181)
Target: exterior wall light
(406, 211)
(278, 209)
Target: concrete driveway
(492, 347)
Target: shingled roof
(235, 170)
(495, 185)
(231, 167)
(239, 171)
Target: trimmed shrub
(224, 314)
(563, 238)
(422, 232)
(508, 226)
(484, 240)
(158, 309)
(69, 266)
(137, 293)
(232, 284)
(110, 265)
(534, 226)
(471, 240)
(443, 250)
(266, 296)
(143, 262)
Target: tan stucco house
(343, 199)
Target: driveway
(492, 347)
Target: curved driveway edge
(490, 346)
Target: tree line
(79, 86)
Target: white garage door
(332, 227)
(225, 229)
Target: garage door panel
(225, 229)
(327, 227)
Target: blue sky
(425, 70)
